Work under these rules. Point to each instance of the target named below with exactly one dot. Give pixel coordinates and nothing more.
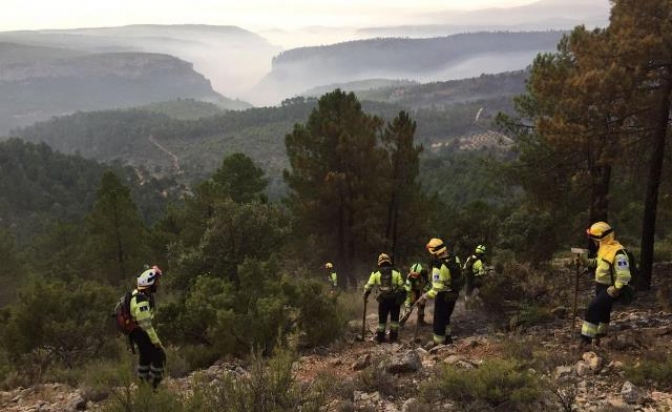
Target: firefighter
(612, 273)
(332, 277)
(475, 271)
(416, 284)
(152, 356)
(446, 275)
(391, 295)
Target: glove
(407, 307)
(613, 291)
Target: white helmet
(148, 278)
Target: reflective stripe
(381, 327)
(602, 328)
(394, 325)
(143, 371)
(588, 330)
(438, 339)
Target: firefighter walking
(391, 295)
(612, 274)
(446, 275)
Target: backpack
(456, 278)
(122, 314)
(387, 289)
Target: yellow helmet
(599, 230)
(384, 258)
(436, 247)
(328, 265)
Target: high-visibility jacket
(333, 279)
(396, 282)
(619, 268)
(441, 279)
(142, 311)
(474, 266)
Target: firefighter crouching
(391, 295)
(417, 283)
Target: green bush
(499, 383)
(655, 370)
(58, 324)
(270, 386)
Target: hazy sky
(249, 14)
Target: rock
(76, 402)
(582, 368)
(559, 312)
(562, 372)
(403, 362)
(594, 361)
(410, 405)
(364, 401)
(630, 393)
(362, 362)
(453, 359)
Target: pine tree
(337, 194)
(115, 234)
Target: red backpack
(122, 314)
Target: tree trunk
(599, 205)
(651, 202)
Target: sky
(248, 14)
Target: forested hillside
(37, 83)
(264, 300)
(433, 59)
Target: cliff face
(42, 86)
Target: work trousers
(444, 304)
(598, 313)
(388, 307)
(152, 358)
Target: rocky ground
(587, 380)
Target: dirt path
(175, 161)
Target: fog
(238, 62)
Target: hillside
(498, 362)
(232, 58)
(424, 60)
(37, 83)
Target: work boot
(394, 335)
(380, 337)
(583, 344)
(449, 340)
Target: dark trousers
(388, 307)
(444, 304)
(152, 359)
(473, 282)
(598, 313)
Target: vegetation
(242, 268)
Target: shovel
(577, 251)
(362, 336)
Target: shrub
(655, 370)
(55, 323)
(499, 383)
(270, 386)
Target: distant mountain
(362, 85)
(38, 82)
(540, 15)
(234, 59)
(424, 60)
(440, 95)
